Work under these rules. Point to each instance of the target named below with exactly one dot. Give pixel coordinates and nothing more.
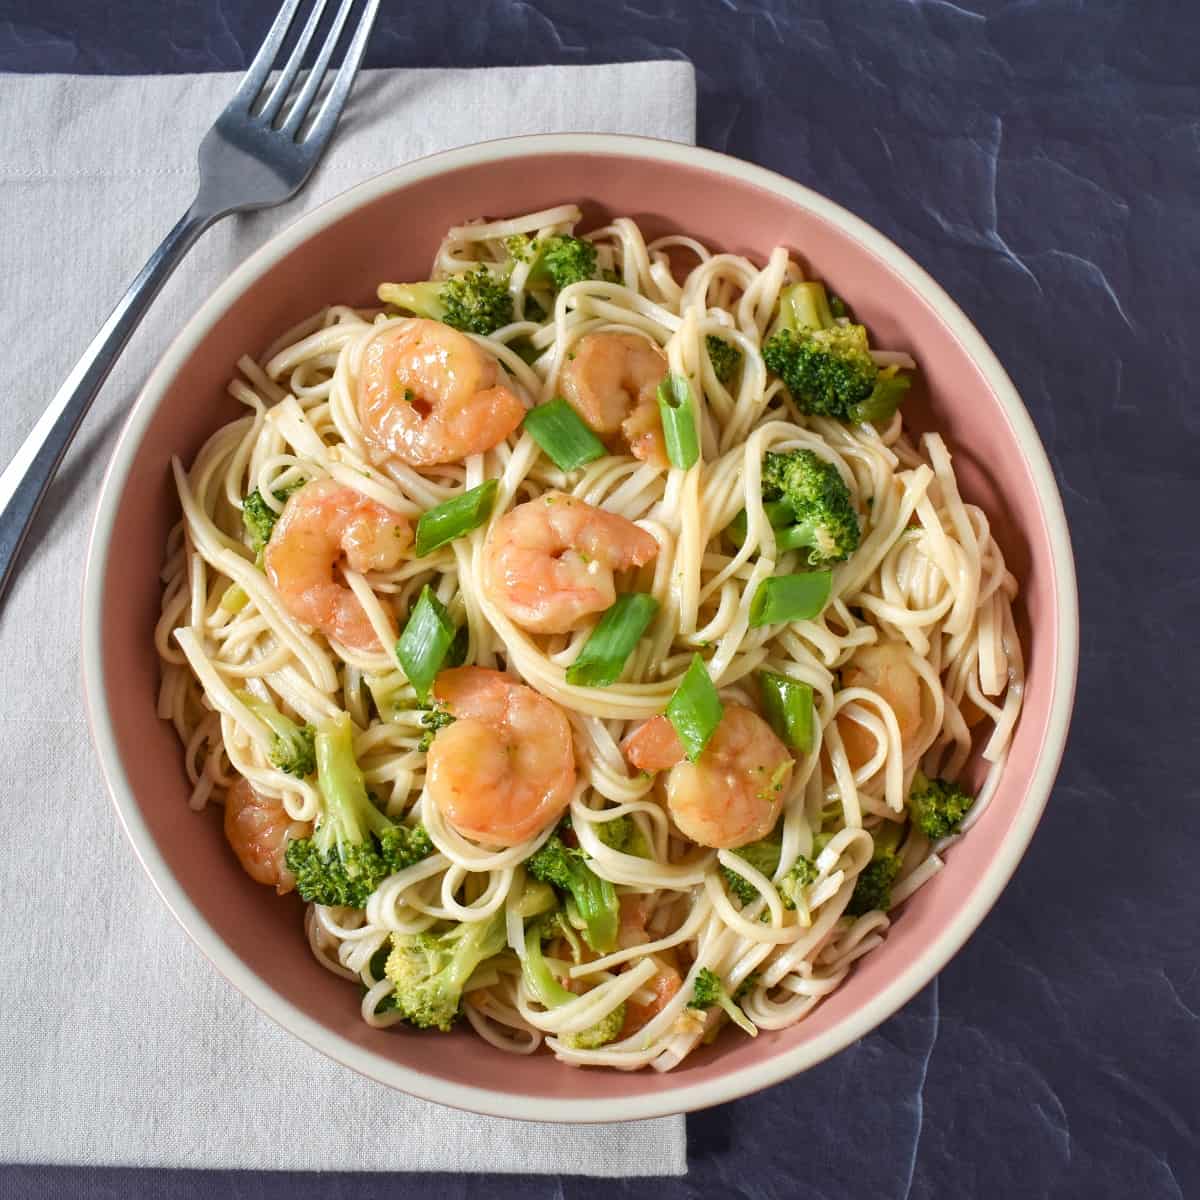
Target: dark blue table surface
(1042, 160)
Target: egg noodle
(926, 576)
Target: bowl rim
(687, 1097)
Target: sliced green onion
(457, 654)
(561, 432)
(425, 642)
(455, 517)
(790, 598)
(603, 656)
(788, 706)
(234, 598)
(678, 421)
(695, 709)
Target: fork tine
(331, 109)
(283, 85)
(313, 83)
(260, 69)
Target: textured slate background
(1042, 160)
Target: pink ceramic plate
(389, 227)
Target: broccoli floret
(522, 347)
(520, 246)
(435, 719)
(830, 373)
(724, 356)
(623, 835)
(824, 518)
(763, 856)
(605, 1030)
(292, 747)
(404, 845)
(595, 899)
(259, 517)
(430, 970)
(708, 990)
(615, 834)
(873, 888)
(748, 985)
(541, 981)
(355, 846)
(561, 261)
(475, 302)
(937, 807)
(828, 367)
(394, 696)
(798, 876)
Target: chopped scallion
(603, 656)
(678, 421)
(695, 710)
(425, 642)
(234, 598)
(790, 598)
(788, 707)
(455, 517)
(562, 434)
(457, 654)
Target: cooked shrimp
(733, 793)
(321, 524)
(612, 383)
(548, 564)
(428, 394)
(258, 829)
(505, 768)
(882, 668)
(665, 985)
(636, 908)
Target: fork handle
(24, 482)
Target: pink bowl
(389, 226)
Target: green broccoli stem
(596, 900)
(477, 301)
(539, 979)
(292, 750)
(480, 941)
(545, 987)
(562, 260)
(885, 398)
(887, 836)
(708, 990)
(535, 899)
(804, 306)
(421, 299)
(349, 815)
(593, 898)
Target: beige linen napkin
(120, 1045)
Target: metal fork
(257, 154)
